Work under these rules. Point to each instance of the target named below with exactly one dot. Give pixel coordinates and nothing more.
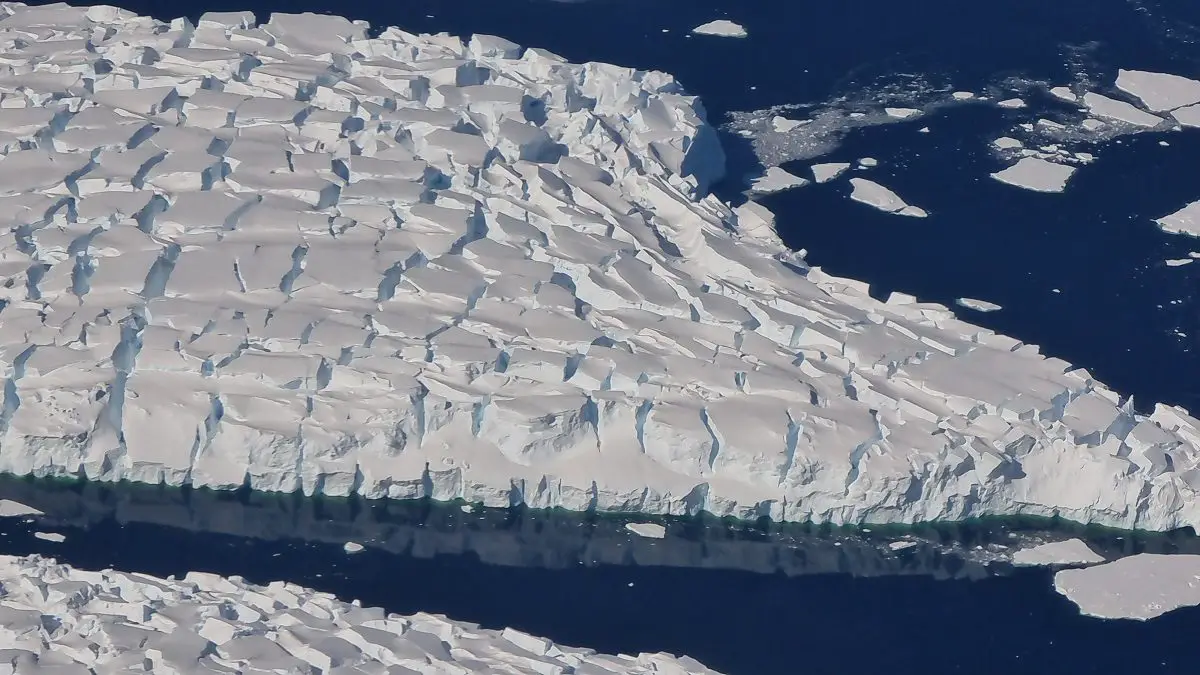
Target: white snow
(110, 622)
(11, 509)
(352, 547)
(823, 173)
(962, 95)
(1184, 221)
(776, 179)
(1007, 143)
(1180, 262)
(721, 28)
(648, 530)
(873, 194)
(977, 305)
(1159, 92)
(1141, 587)
(1035, 173)
(902, 113)
(464, 270)
(1069, 552)
(868, 163)
(1011, 103)
(52, 537)
(1111, 108)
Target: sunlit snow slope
(295, 258)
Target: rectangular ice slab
(111, 622)
(1039, 175)
(416, 266)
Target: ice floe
(721, 28)
(1111, 108)
(299, 258)
(52, 537)
(873, 194)
(1141, 587)
(977, 305)
(776, 179)
(12, 509)
(823, 173)
(647, 530)
(1069, 552)
(1159, 92)
(107, 621)
(1039, 175)
(1184, 221)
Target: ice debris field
(291, 257)
(56, 619)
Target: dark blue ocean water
(743, 600)
(741, 603)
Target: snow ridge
(291, 257)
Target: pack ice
(61, 619)
(294, 258)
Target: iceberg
(1037, 174)
(108, 621)
(1185, 221)
(1139, 587)
(873, 194)
(1069, 552)
(721, 28)
(293, 257)
(1159, 92)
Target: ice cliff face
(295, 258)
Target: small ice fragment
(923, 130)
(783, 125)
(962, 96)
(902, 113)
(467, 508)
(1007, 143)
(1036, 174)
(776, 180)
(50, 536)
(868, 163)
(901, 545)
(1070, 552)
(648, 530)
(352, 547)
(721, 28)
(1184, 221)
(1194, 254)
(978, 305)
(823, 173)
(1011, 103)
(1180, 262)
(11, 509)
(1164, 143)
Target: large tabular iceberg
(295, 258)
(59, 619)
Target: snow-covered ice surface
(823, 173)
(721, 28)
(13, 509)
(412, 266)
(875, 195)
(776, 179)
(1039, 175)
(1069, 552)
(69, 620)
(978, 305)
(1139, 587)
(1184, 221)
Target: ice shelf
(1037, 174)
(873, 194)
(721, 28)
(1184, 221)
(1140, 587)
(61, 619)
(1069, 552)
(295, 258)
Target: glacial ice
(65, 620)
(295, 258)
(1184, 221)
(977, 305)
(1037, 174)
(721, 28)
(1069, 552)
(1141, 587)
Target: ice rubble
(61, 619)
(1141, 587)
(411, 266)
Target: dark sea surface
(743, 600)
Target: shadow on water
(777, 596)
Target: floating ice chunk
(1007, 143)
(1184, 221)
(1140, 587)
(962, 95)
(721, 28)
(224, 625)
(1092, 124)
(352, 547)
(978, 305)
(873, 194)
(823, 173)
(902, 113)
(1159, 92)
(1189, 116)
(53, 537)
(776, 180)
(1111, 108)
(11, 509)
(783, 125)
(1034, 173)
(868, 163)
(1179, 262)
(648, 530)
(901, 545)
(1011, 103)
(1069, 552)
(1065, 94)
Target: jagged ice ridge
(293, 257)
